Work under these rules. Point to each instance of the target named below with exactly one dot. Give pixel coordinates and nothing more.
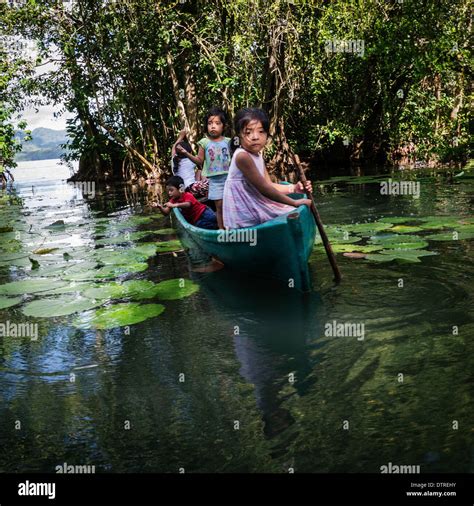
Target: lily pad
(165, 246)
(9, 302)
(110, 271)
(120, 239)
(402, 245)
(147, 249)
(29, 286)
(119, 315)
(71, 288)
(166, 231)
(80, 271)
(409, 256)
(346, 248)
(366, 227)
(105, 291)
(405, 229)
(451, 236)
(118, 257)
(387, 240)
(437, 222)
(141, 289)
(178, 288)
(48, 308)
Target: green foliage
(375, 79)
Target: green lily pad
(137, 289)
(402, 242)
(405, 229)
(105, 291)
(166, 231)
(346, 248)
(405, 245)
(71, 288)
(80, 271)
(409, 256)
(366, 227)
(438, 222)
(337, 234)
(140, 289)
(177, 288)
(451, 236)
(147, 249)
(120, 239)
(19, 262)
(8, 257)
(165, 246)
(119, 315)
(118, 257)
(48, 308)
(465, 228)
(9, 302)
(110, 271)
(29, 286)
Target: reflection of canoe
(277, 249)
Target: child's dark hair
(186, 146)
(243, 118)
(176, 182)
(178, 156)
(215, 111)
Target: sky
(44, 118)
(45, 115)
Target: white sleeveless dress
(244, 205)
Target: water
(264, 388)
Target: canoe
(277, 249)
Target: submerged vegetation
(342, 81)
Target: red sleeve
(189, 197)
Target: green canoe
(278, 249)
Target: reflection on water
(241, 377)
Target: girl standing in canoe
(250, 197)
(214, 157)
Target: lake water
(242, 376)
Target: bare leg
(220, 220)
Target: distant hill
(44, 145)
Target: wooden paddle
(319, 223)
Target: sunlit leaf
(176, 289)
(29, 286)
(119, 315)
(9, 301)
(47, 308)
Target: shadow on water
(272, 326)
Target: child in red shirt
(194, 211)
